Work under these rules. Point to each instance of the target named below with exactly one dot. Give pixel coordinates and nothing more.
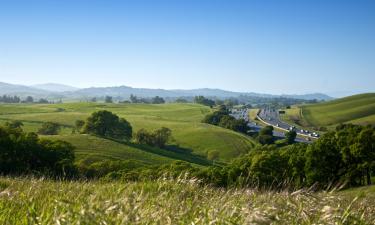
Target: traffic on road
(271, 117)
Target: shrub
(49, 128)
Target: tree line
(222, 118)
(17, 99)
(26, 153)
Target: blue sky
(268, 46)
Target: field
(191, 139)
(357, 109)
(37, 201)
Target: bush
(49, 128)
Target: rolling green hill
(357, 109)
(191, 139)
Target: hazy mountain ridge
(53, 87)
(52, 90)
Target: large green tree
(108, 124)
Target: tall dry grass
(179, 201)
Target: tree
(266, 135)
(133, 98)
(108, 99)
(204, 101)
(107, 124)
(25, 153)
(49, 128)
(157, 100)
(364, 152)
(158, 138)
(267, 168)
(181, 100)
(265, 139)
(323, 161)
(29, 99)
(290, 136)
(267, 130)
(162, 136)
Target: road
(244, 114)
(271, 117)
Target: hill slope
(191, 138)
(358, 109)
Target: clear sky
(267, 46)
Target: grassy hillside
(31, 201)
(191, 137)
(358, 109)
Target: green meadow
(192, 140)
(356, 109)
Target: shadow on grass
(170, 151)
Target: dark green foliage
(108, 99)
(222, 118)
(290, 137)
(49, 128)
(135, 99)
(157, 100)
(204, 101)
(345, 156)
(267, 130)
(29, 99)
(158, 138)
(14, 124)
(265, 139)
(43, 101)
(265, 136)
(323, 160)
(106, 124)
(214, 118)
(25, 153)
(10, 99)
(181, 100)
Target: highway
(271, 117)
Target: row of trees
(17, 99)
(222, 118)
(346, 156)
(204, 101)
(25, 153)
(107, 124)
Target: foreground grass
(32, 201)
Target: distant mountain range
(59, 91)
